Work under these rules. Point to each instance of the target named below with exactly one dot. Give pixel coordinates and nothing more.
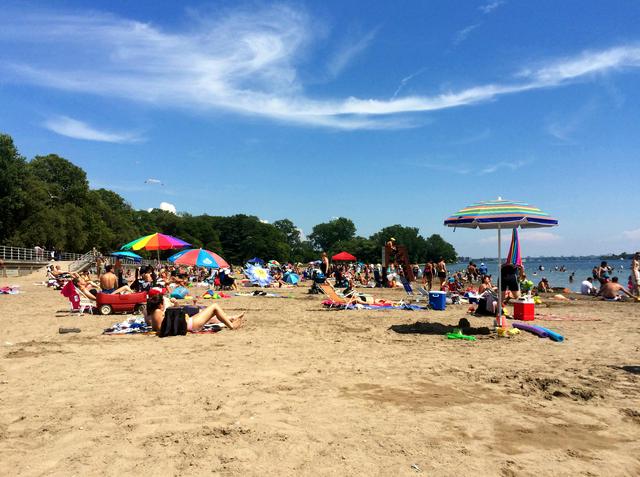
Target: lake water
(582, 269)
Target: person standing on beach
(635, 273)
(441, 269)
(428, 274)
(324, 264)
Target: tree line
(47, 201)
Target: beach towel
(69, 291)
(9, 290)
(137, 326)
(380, 306)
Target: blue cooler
(438, 300)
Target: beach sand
(305, 391)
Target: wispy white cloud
(632, 234)
(491, 6)
(405, 80)
(243, 62)
(462, 35)
(458, 167)
(480, 136)
(502, 165)
(566, 127)
(348, 52)
(66, 126)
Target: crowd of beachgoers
(162, 281)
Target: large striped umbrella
(155, 242)
(200, 258)
(500, 214)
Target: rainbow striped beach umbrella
(155, 242)
(200, 258)
(495, 214)
(500, 214)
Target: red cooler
(523, 311)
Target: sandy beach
(305, 391)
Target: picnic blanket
(137, 326)
(360, 306)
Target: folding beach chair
(409, 289)
(334, 297)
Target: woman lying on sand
(156, 307)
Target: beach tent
(292, 278)
(343, 257)
(199, 257)
(500, 214)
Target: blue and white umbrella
(258, 275)
(292, 278)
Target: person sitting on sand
(109, 282)
(156, 307)
(543, 286)
(611, 291)
(587, 287)
(485, 285)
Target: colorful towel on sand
(359, 306)
(137, 326)
(9, 290)
(261, 293)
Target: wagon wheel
(105, 309)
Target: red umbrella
(343, 257)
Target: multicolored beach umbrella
(513, 257)
(198, 257)
(155, 241)
(500, 214)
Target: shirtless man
(156, 307)
(441, 269)
(611, 291)
(109, 282)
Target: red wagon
(128, 303)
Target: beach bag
(179, 293)
(174, 323)
(487, 305)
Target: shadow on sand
(439, 329)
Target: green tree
(65, 182)
(12, 193)
(325, 235)
(437, 248)
(407, 236)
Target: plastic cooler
(438, 300)
(524, 311)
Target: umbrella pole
(499, 320)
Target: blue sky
(381, 112)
